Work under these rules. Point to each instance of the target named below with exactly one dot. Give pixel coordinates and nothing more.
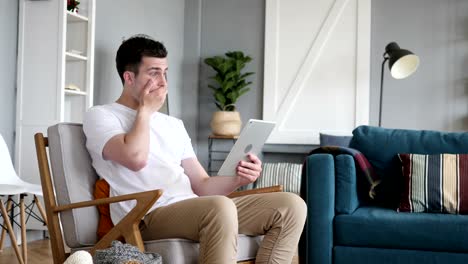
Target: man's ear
(129, 77)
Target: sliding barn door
(317, 64)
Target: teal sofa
(345, 226)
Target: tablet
(251, 140)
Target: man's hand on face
(249, 171)
(152, 97)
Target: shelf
(75, 57)
(71, 92)
(74, 17)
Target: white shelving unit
(55, 51)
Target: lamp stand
(381, 89)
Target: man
(135, 148)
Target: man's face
(150, 68)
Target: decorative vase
(226, 123)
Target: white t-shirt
(169, 145)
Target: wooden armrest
(276, 188)
(128, 227)
(109, 200)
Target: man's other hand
(249, 171)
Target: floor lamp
(402, 63)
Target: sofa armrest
(318, 190)
(346, 185)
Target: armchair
(345, 227)
(71, 186)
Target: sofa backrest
(381, 146)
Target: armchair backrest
(74, 178)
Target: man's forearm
(137, 140)
(218, 185)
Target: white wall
(8, 51)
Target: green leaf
(243, 91)
(245, 75)
(228, 86)
(220, 97)
(218, 79)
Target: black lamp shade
(402, 63)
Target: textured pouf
(125, 254)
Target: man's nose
(162, 81)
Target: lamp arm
(381, 89)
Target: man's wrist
(144, 111)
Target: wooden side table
(217, 154)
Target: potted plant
(230, 84)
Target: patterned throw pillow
(286, 174)
(434, 183)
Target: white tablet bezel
(251, 140)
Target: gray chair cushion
(74, 179)
(183, 251)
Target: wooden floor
(39, 253)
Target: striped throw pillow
(286, 174)
(434, 183)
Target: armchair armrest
(128, 227)
(276, 188)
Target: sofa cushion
(334, 140)
(386, 228)
(434, 183)
(381, 146)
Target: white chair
(10, 186)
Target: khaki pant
(215, 221)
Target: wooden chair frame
(145, 201)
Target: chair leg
(41, 209)
(2, 236)
(24, 240)
(10, 232)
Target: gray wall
(164, 21)
(228, 25)
(8, 51)
(436, 96)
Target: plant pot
(226, 123)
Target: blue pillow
(334, 140)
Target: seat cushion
(183, 251)
(386, 228)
